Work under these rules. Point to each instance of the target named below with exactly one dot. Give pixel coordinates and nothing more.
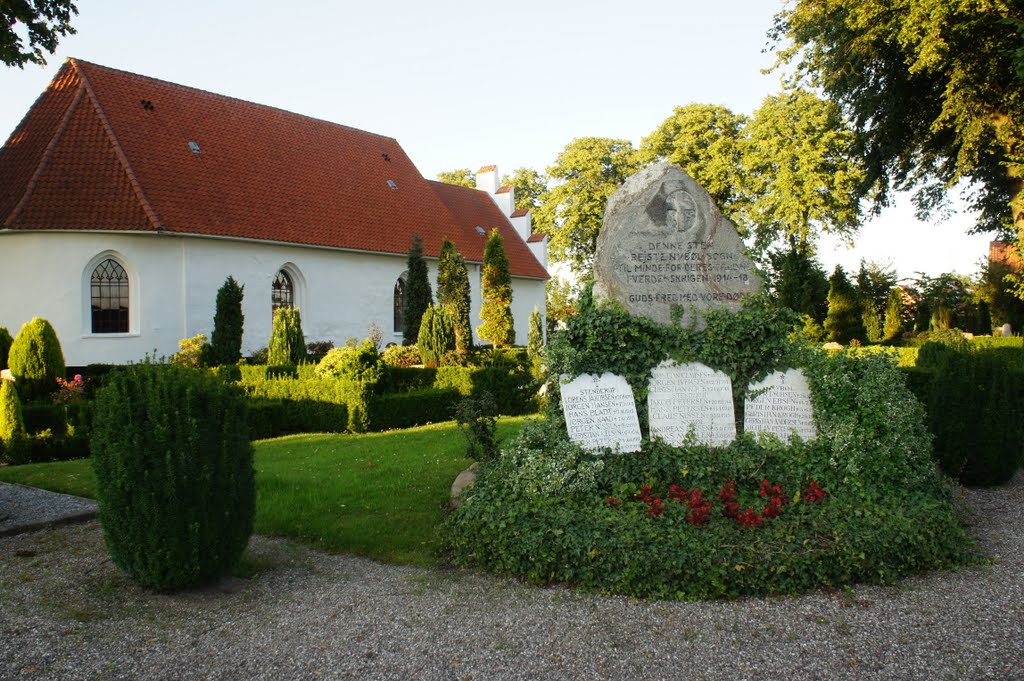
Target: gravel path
(66, 612)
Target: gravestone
(681, 396)
(783, 407)
(600, 412)
(664, 245)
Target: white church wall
(174, 282)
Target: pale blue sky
(467, 84)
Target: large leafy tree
(43, 22)
(584, 175)
(932, 87)
(461, 177)
(498, 326)
(704, 140)
(802, 177)
(528, 185)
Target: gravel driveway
(66, 612)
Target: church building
(125, 203)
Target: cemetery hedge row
(861, 503)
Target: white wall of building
(174, 282)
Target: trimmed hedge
(174, 474)
(273, 418)
(413, 408)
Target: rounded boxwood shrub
(862, 502)
(436, 336)
(36, 359)
(174, 474)
(12, 424)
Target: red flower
(731, 509)
(750, 518)
(814, 493)
(728, 492)
(613, 502)
(655, 509)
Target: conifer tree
(5, 346)
(498, 327)
(844, 321)
(437, 335)
(36, 359)
(12, 426)
(535, 340)
(226, 341)
(893, 315)
(453, 293)
(287, 343)
(417, 292)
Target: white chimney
(487, 179)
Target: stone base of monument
(462, 481)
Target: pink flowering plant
(70, 392)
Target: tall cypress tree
(498, 327)
(893, 314)
(453, 293)
(226, 341)
(417, 292)
(845, 319)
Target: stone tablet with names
(784, 407)
(600, 412)
(665, 246)
(681, 396)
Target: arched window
(282, 291)
(399, 302)
(109, 297)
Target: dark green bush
(5, 346)
(478, 421)
(551, 512)
(36, 360)
(273, 418)
(436, 336)
(404, 379)
(228, 322)
(412, 408)
(975, 407)
(174, 474)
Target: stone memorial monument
(664, 245)
(600, 412)
(681, 396)
(782, 407)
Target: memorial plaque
(600, 412)
(783, 408)
(681, 396)
(664, 245)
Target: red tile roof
(474, 208)
(536, 237)
(520, 212)
(504, 189)
(103, 149)
(487, 169)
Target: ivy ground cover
(861, 503)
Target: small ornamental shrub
(363, 364)
(478, 421)
(453, 292)
(845, 318)
(437, 335)
(535, 341)
(36, 360)
(5, 346)
(894, 308)
(193, 352)
(12, 424)
(402, 356)
(228, 322)
(174, 474)
(287, 343)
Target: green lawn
(381, 495)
